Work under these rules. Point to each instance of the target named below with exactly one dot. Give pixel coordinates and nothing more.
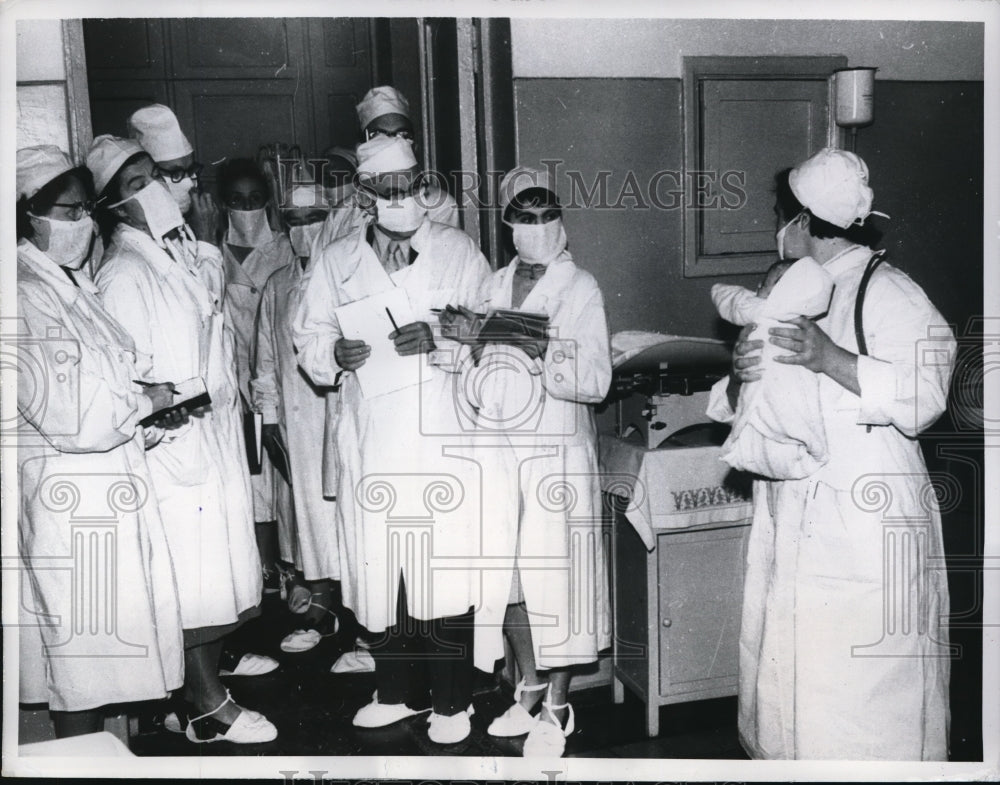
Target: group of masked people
(458, 504)
(155, 289)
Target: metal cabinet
(677, 614)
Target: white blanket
(777, 431)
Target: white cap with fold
(38, 166)
(380, 101)
(833, 184)
(106, 156)
(519, 179)
(306, 195)
(155, 127)
(385, 154)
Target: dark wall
(924, 151)
(925, 155)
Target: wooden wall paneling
(257, 48)
(340, 66)
(112, 102)
(125, 49)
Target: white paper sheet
(368, 320)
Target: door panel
(701, 592)
(791, 116)
(340, 65)
(234, 83)
(125, 49)
(236, 48)
(230, 118)
(112, 103)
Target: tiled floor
(312, 709)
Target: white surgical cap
(519, 179)
(106, 156)
(381, 101)
(306, 195)
(385, 154)
(155, 127)
(39, 166)
(833, 184)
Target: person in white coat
(408, 501)
(81, 449)
(294, 416)
(166, 290)
(385, 112)
(251, 252)
(843, 646)
(536, 398)
(156, 129)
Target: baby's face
(771, 278)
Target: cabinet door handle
(667, 622)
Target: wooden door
(234, 83)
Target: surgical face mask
(68, 241)
(248, 228)
(402, 216)
(158, 207)
(302, 237)
(338, 194)
(780, 237)
(181, 192)
(539, 243)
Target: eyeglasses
(401, 133)
(176, 175)
(85, 207)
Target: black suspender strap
(859, 304)
(859, 301)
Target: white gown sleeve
(98, 412)
(315, 329)
(736, 304)
(911, 351)
(577, 364)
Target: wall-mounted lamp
(854, 91)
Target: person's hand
(746, 357)
(413, 338)
(351, 355)
(203, 217)
(160, 395)
(808, 344)
(459, 324)
(174, 419)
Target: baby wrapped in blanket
(777, 431)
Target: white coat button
(667, 622)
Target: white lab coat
(199, 469)
(348, 218)
(408, 499)
(83, 477)
(830, 557)
(539, 412)
(778, 429)
(244, 287)
(284, 395)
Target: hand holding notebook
(189, 395)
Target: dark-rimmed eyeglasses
(176, 175)
(402, 133)
(86, 207)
